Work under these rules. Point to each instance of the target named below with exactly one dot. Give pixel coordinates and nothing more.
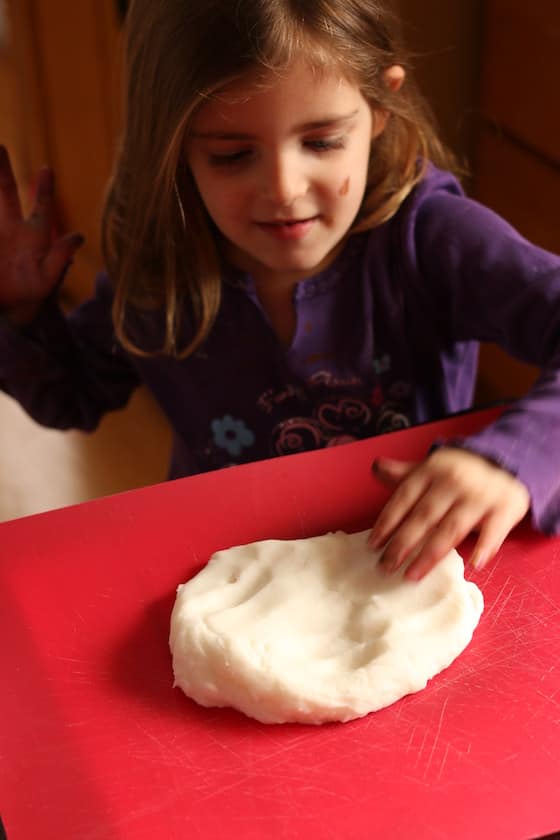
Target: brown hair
(179, 52)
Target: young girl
(289, 267)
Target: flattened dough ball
(312, 631)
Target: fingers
(435, 543)
(496, 527)
(413, 485)
(32, 263)
(391, 472)
(10, 207)
(486, 549)
(437, 503)
(430, 531)
(25, 237)
(40, 221)
(35, 281)
(44, 194)
(59, 257)
(55, 256)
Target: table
(95, 742)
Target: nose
(283, 178)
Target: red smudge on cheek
(345, 187)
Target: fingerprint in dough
(312, 630)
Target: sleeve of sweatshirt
(67, 371)
(488, 283)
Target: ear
(394, 77)
(378, 122)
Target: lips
(288, 228)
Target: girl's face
(282, 169)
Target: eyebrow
(314, 125)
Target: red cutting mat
(95, 743)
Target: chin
(307, 262)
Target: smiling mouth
(287, 222)
(286, 230)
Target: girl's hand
(31, 262)
(438, 502)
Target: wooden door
(518, 150)
(66, 57)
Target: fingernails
(391, 560)
(373, 541)
(388, 568)
(479, 559)
(67, 266)
(381, 465)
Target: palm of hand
(31, 261)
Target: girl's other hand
(31, 261)
(438, 502)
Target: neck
(276, 298)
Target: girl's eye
(242, 156)
(325, 144)
(229, 159)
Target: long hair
(180, 52)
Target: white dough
(312, 631)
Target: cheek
(344, 189)
(219, 195)
(351, 186)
